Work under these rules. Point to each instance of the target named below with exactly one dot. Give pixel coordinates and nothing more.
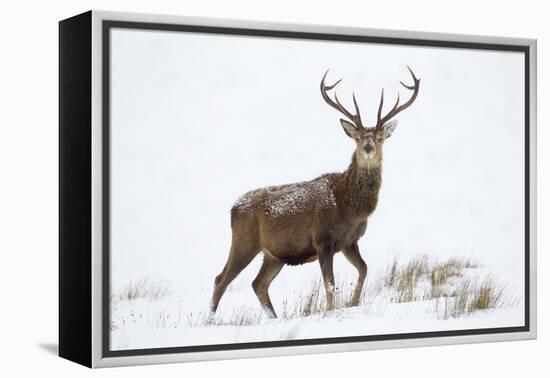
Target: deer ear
(389, 128)
(349, 128)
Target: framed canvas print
(233, 189)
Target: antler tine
(341, 107)
(412, 74)
(357, 112)
(399, 108)
(396, 104)
(409, 87)
(356, 119)
(380, 107)
(331, 87)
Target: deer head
(369, 140)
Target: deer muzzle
(369, 148)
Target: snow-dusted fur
(298, 223)
(312, 220)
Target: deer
(308, 221)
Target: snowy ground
(179, 317)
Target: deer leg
(326, 258)
(354, 257)
(239, 259)
(269, 270)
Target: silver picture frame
(93, 331)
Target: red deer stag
(298, 223)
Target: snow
(166, 322)
(291, 199)
(182, 318)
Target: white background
(28, 197)
(190, 134)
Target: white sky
(198, 119)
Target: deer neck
(361, 185)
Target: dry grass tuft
(142, 288)
(403, 280)
(241, 317)
(487, 295)
(471, 296)
(409, 282)
(441, 273)
(312, 300)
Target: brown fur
(298, 223)
(308, 229)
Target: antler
(397, 108)
(355, 118)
